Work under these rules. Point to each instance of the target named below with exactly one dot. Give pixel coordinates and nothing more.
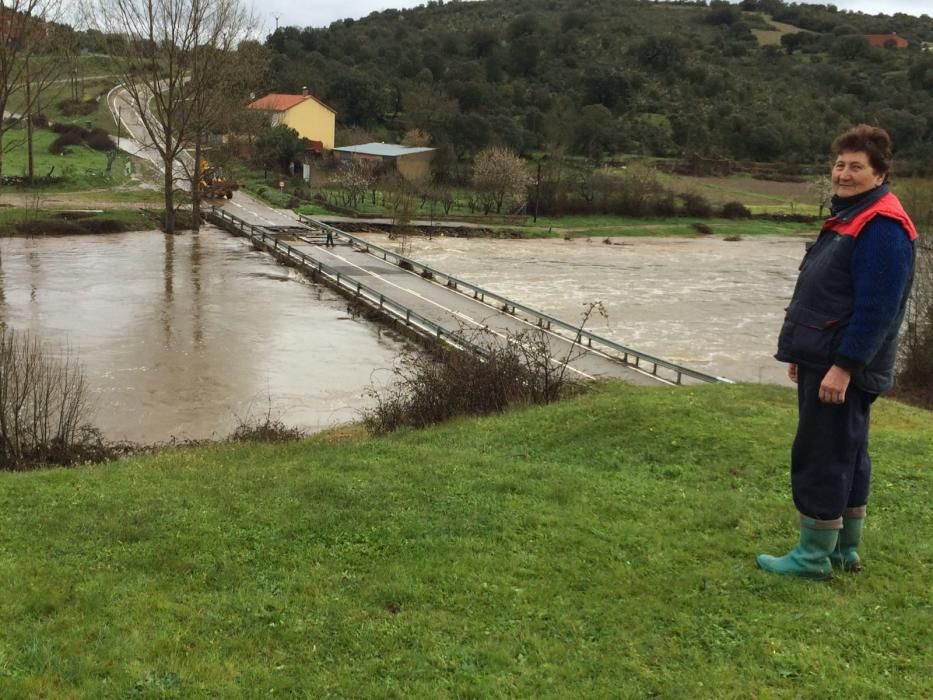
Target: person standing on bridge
(840, 338)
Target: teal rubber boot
(845, 555)
(810, 558)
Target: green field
(82, 167)
(602, 547)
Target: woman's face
(852, 174)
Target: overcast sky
(320, 13)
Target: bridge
(433, 303)
(426, 301)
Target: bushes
(65, 139)
(735, 210)
(44, 405)
(74, 135)
(915, 375)
(77, 108)
(434, 386)
(100, 140)
(66, 227)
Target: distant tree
(660, 52)
(469, 133)
(276, 147)
(427, 108)
(596, 132)
(359, 98)
(822, 188)
(416, 137)
(29, 61)
(500, 175)
(354, 178)
(608, 88)
(722, 12)
(482, 40)
(161, 57)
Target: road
(482, 323)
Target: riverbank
(62, 222)
(599, 547)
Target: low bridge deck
(434, 303)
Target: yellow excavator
(213, 185)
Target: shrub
(44, 405)
(77, 108)
(100, 140)
(735, 210)
(434, 386)
(266, 428)
(700, 227)
(102, 226)
(696, 205)
(49, 227)
(915, 374)
(67, 138)
(63, 128)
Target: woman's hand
(792, 372)
(834, 385)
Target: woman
(840, 340)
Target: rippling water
(704, 302)
(183, 335)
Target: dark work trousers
(830, 468)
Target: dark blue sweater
(881, 266)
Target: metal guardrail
(378, 300)
(541, 319)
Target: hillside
(602, 547)
(676, 79)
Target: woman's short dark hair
(873, 140)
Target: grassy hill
(603, 547)
(762, 80)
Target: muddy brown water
(182, 336)
(707, 303)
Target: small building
(885, 41)
(307, 115)
(412, 163)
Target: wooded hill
(598, 78)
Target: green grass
(132, 219)
(612, 226)
(82, 167)
(603, 547)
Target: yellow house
(307, 115)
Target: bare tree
(216, 75)
(29, 62)
(44, 403)
(499, 174)
(166, 50)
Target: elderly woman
(840, 340)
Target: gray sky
(320, 13)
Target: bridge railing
(355, 287)
(630, 356)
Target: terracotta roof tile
(277, 102)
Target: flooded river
(183, 335)
(707, 303)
